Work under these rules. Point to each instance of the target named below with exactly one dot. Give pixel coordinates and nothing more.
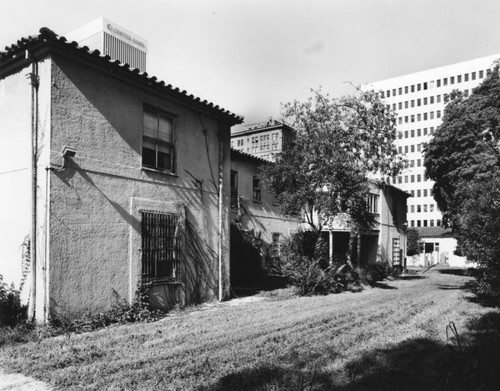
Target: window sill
(163, 282)
(258, 201)
(158, 171)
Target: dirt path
(18, 382)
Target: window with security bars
(396, 253)
(276, 245)
(160, 246)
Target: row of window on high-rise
(412, 178)
(411, 148)
(435, 83)
(421, 192)
(424, 208)
(425, 223)
(416, 132)
(419, 117)
(428, 100)
(412, 162)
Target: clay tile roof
(237, 154)
(49, 38)
(434, 232)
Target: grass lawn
(391, 337)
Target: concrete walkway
(18, 382)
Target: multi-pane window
(396, 253)
(160, 246)
(256, 189)
(373, 203)
(234, 182)
(276, 245)
(157, 140)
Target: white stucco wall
(15, 166)
(94, 244)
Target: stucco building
(254, 206)
(386, 242)
(132, 180)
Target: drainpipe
(35, 81)
(221, 205)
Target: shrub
(378, 271)
(306, 274)
(12, 311)
(413, 247)
(305, 264)
(139, 311)
(246, 260)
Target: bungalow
(122, 180)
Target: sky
(249, 56)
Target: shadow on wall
(201, 267)
(199, 279)
(416, 364)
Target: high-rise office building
(112, 40)
(419, 99)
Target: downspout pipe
(35, 82)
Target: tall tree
(464, 161)
(337, 144)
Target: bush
(378, 271)
(246, 260)
(12, 312)
(413, 247)
(139, 311)
(305, 264)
